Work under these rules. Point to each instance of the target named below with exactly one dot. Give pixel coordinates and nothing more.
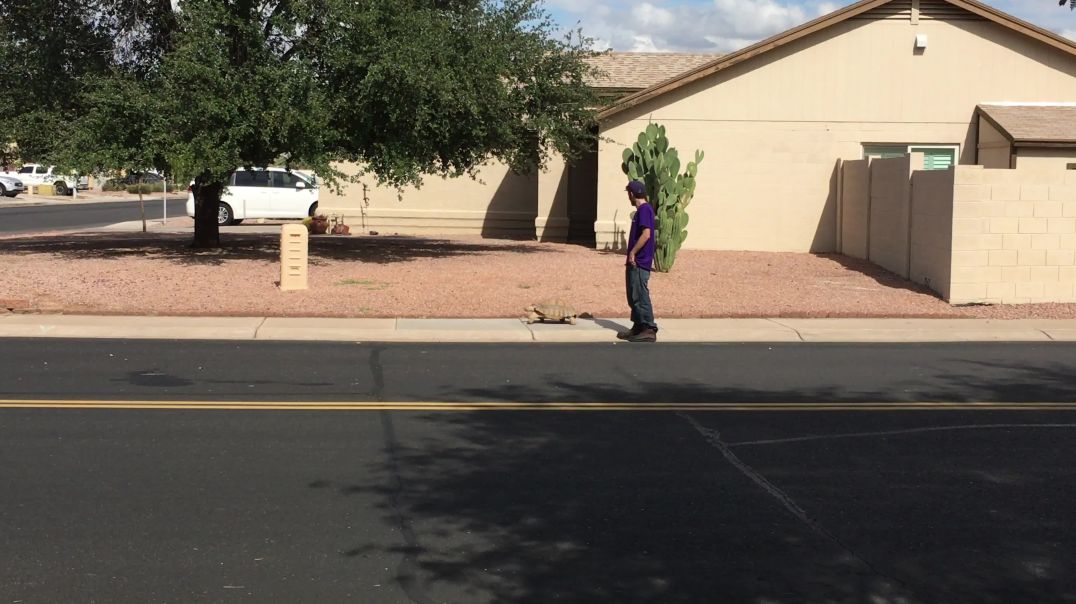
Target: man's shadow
(611, 325)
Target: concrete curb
(83, 198)
(515, 330)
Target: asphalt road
(63, 216)
(836, 498)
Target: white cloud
(727, 25)
(685, 25)
(758, 18)
(826, 8)
(652, 17)
(644, 43)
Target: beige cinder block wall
(932, 229)
(1014, 236)
(890, 211)
(500, 203)
(774, 126)
(855, 207)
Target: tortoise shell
(555, 309)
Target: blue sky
(725, 25)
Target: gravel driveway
(372, 276)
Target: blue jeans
(637, 281)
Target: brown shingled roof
(1033, 123)
(639, 70)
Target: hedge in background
(146, 188)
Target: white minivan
(264, 193)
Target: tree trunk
(206, 204)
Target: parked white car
(36, 174)
(10, 186)
(264, 193)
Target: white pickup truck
(36, 174)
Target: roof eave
(973, 6)
(1005, 19)
(741, 55)
(1044, 144)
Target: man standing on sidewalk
(641, 247)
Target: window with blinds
(934, 157)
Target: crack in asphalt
(406, 570)
(377, 372)
(713, 438)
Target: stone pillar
(614, 212)
(294, 252)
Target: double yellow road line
(449, 406)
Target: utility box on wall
(294, 246)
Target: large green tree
(403, 88)
(46, 48)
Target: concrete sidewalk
(515, 330)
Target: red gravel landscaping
(368, 276)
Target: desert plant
(317, 225)
(652, 161)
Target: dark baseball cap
(636, 188)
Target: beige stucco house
(873, 78)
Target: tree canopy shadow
(265, 247)
(537, 507)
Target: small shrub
(146, 188)
(317, 225)
(114, 185)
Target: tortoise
(551, 310)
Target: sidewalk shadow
(264, 247)
(611, 325)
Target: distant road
(30, 219)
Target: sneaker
(624, 335)
(646, 335)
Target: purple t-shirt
(643, 219)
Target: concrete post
(294, 243)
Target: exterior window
(283, 180)
(884, 151)
(935, 157)
(251, 178)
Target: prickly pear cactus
(652, 161)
